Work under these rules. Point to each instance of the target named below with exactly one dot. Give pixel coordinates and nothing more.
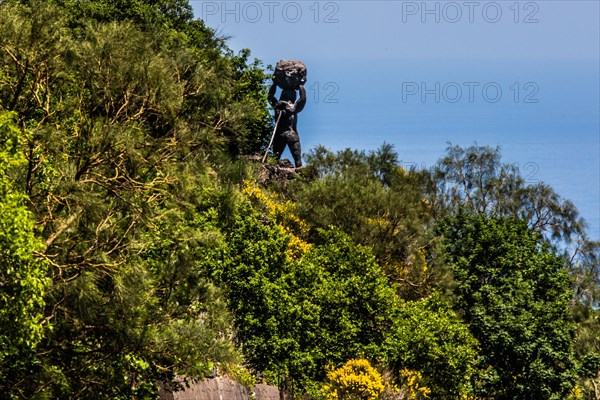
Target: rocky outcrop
(220, 389)
(266, 392)
(281, 172)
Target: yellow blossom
(356, 379)
(282, 214)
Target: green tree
(475, 179)
(429, 337)
(355, 299)
(587, 316)
(514, 293)
(145, 13)
(294, 317)
(587, 347)
(124, 124)
(23, 280)
(374, 200)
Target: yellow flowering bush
(411, 385)
(355, 380)
(576, 393)
(282, 213)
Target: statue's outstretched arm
(271, 97)
(299, 106)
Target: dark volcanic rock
(282, 172)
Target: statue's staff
(272, 137)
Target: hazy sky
(407, 29)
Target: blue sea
(544, 115)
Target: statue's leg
(293, 142)
(279, 143)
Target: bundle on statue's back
(290, 74)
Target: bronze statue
(289, 76)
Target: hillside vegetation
(138, 246)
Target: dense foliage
(514, 293)
(23, 276)
(137, 244)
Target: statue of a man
(289, 76)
